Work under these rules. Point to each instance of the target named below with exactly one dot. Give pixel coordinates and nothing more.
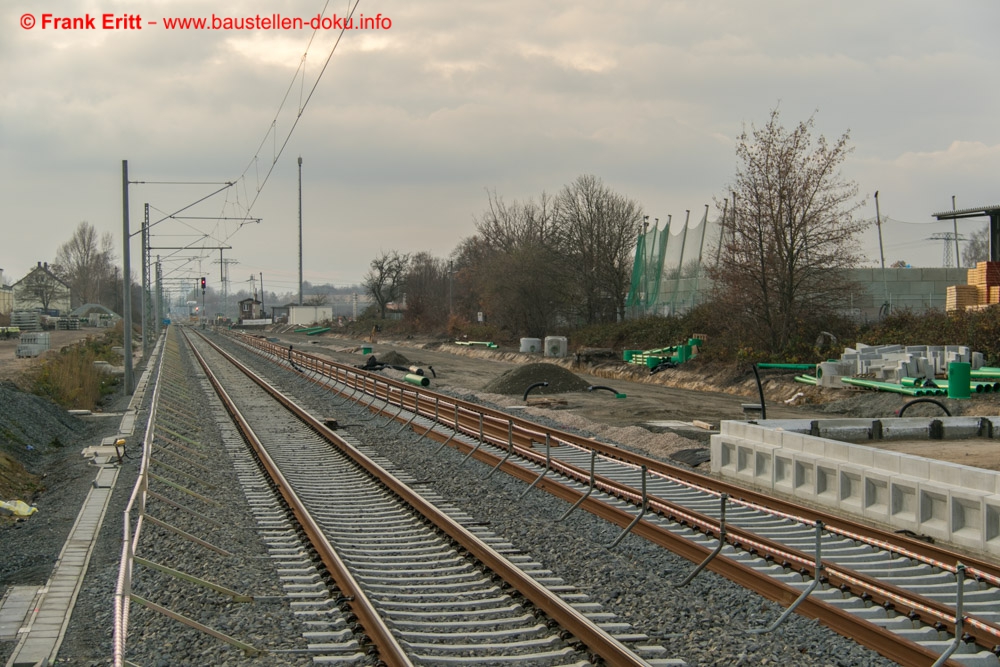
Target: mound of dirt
(393, 358)
(517, 380)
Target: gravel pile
(704, 623)
(517, 380)
(393, 358)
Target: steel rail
(525, 432)
(500, 432)
(374, 626)
(597, 640)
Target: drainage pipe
(528, 390)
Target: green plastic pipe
(985, 372)
(806, 379)
(419, 380)
(884, 386)
(790, 367)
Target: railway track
(424, 588)
(897, 595)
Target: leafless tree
(426, 285)
(598, 229)
(978, 247)
(41, 286)
(317, 299)
(512, 268)
(789, 235)
(384, 280)
(85, 263)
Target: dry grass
(70, 377)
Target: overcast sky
(410, 125)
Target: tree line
(530, 266)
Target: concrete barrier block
(935, 510)
(914, 466)
(793, 441)
(763, 466)
(887, 461)
(784, 471)
(745, 460)
(838, 451)
(850, 487)
(733, 429)
(876, 499)
(772, 436)
(804, 476)
(846, 430)
(723, 454)
(992, 529)
(968, 518)
(963, 477)
(862, 456)
(904, 502)
(827, 482)
(906, 428)
(813, 445)
(959, 428)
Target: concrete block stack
(891, 363)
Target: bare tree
(384, 281)
(598, 230)
(426, 284)
(789, 235)
(511, 269)
(978, 247)
(317, 299)
(41, 286)
(85, 263)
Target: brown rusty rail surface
(509, 433)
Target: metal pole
(262, 295)
(145, 282)
(881, 252)
(954, 222)
(159, 296)
(300, 230)
(126, 283)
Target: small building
(42, 291)
(250, 309)
(280, 313)
(304, 315)
(6, 297)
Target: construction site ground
(659, 411)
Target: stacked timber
(984, 278)
(960, 297)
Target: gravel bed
(30, 547)
(703, 624)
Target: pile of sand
(517, 380)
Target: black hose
(528, 390)
(431, 369)
(899, 413)
(760, 390)
(597, 386)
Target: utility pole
(126, 279)
(159, 296)
(954, 222)
(145, 283)
(300, 230)
(262, 294)
(881, 252)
